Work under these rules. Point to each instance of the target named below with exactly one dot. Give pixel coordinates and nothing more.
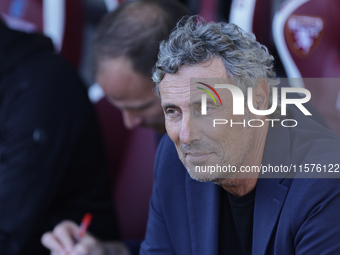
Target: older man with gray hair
(277, 188)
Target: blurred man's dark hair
(134, 30)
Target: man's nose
(184, 134)
(131, 120)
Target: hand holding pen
(68, 238)
(84, 225)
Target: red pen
(85, 223)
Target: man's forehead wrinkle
(175, 98)
(196, 94)
(174, 92)
(173, 87)
(182, 86)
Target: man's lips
(197, 156)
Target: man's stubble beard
(234, 160)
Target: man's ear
(261, 95)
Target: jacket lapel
(203, 201)
(270, 193)
(269, 199)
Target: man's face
(198, 143)
(132, 93)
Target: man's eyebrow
(196, 102)
(168, 105)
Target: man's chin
(200, 176)
(195, 171)
(206, 174)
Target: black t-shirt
(236, 223)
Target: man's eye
(172, 112)
(211, 108)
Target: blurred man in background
(125, 50)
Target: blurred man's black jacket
(51, 157)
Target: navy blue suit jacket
(291, 215)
